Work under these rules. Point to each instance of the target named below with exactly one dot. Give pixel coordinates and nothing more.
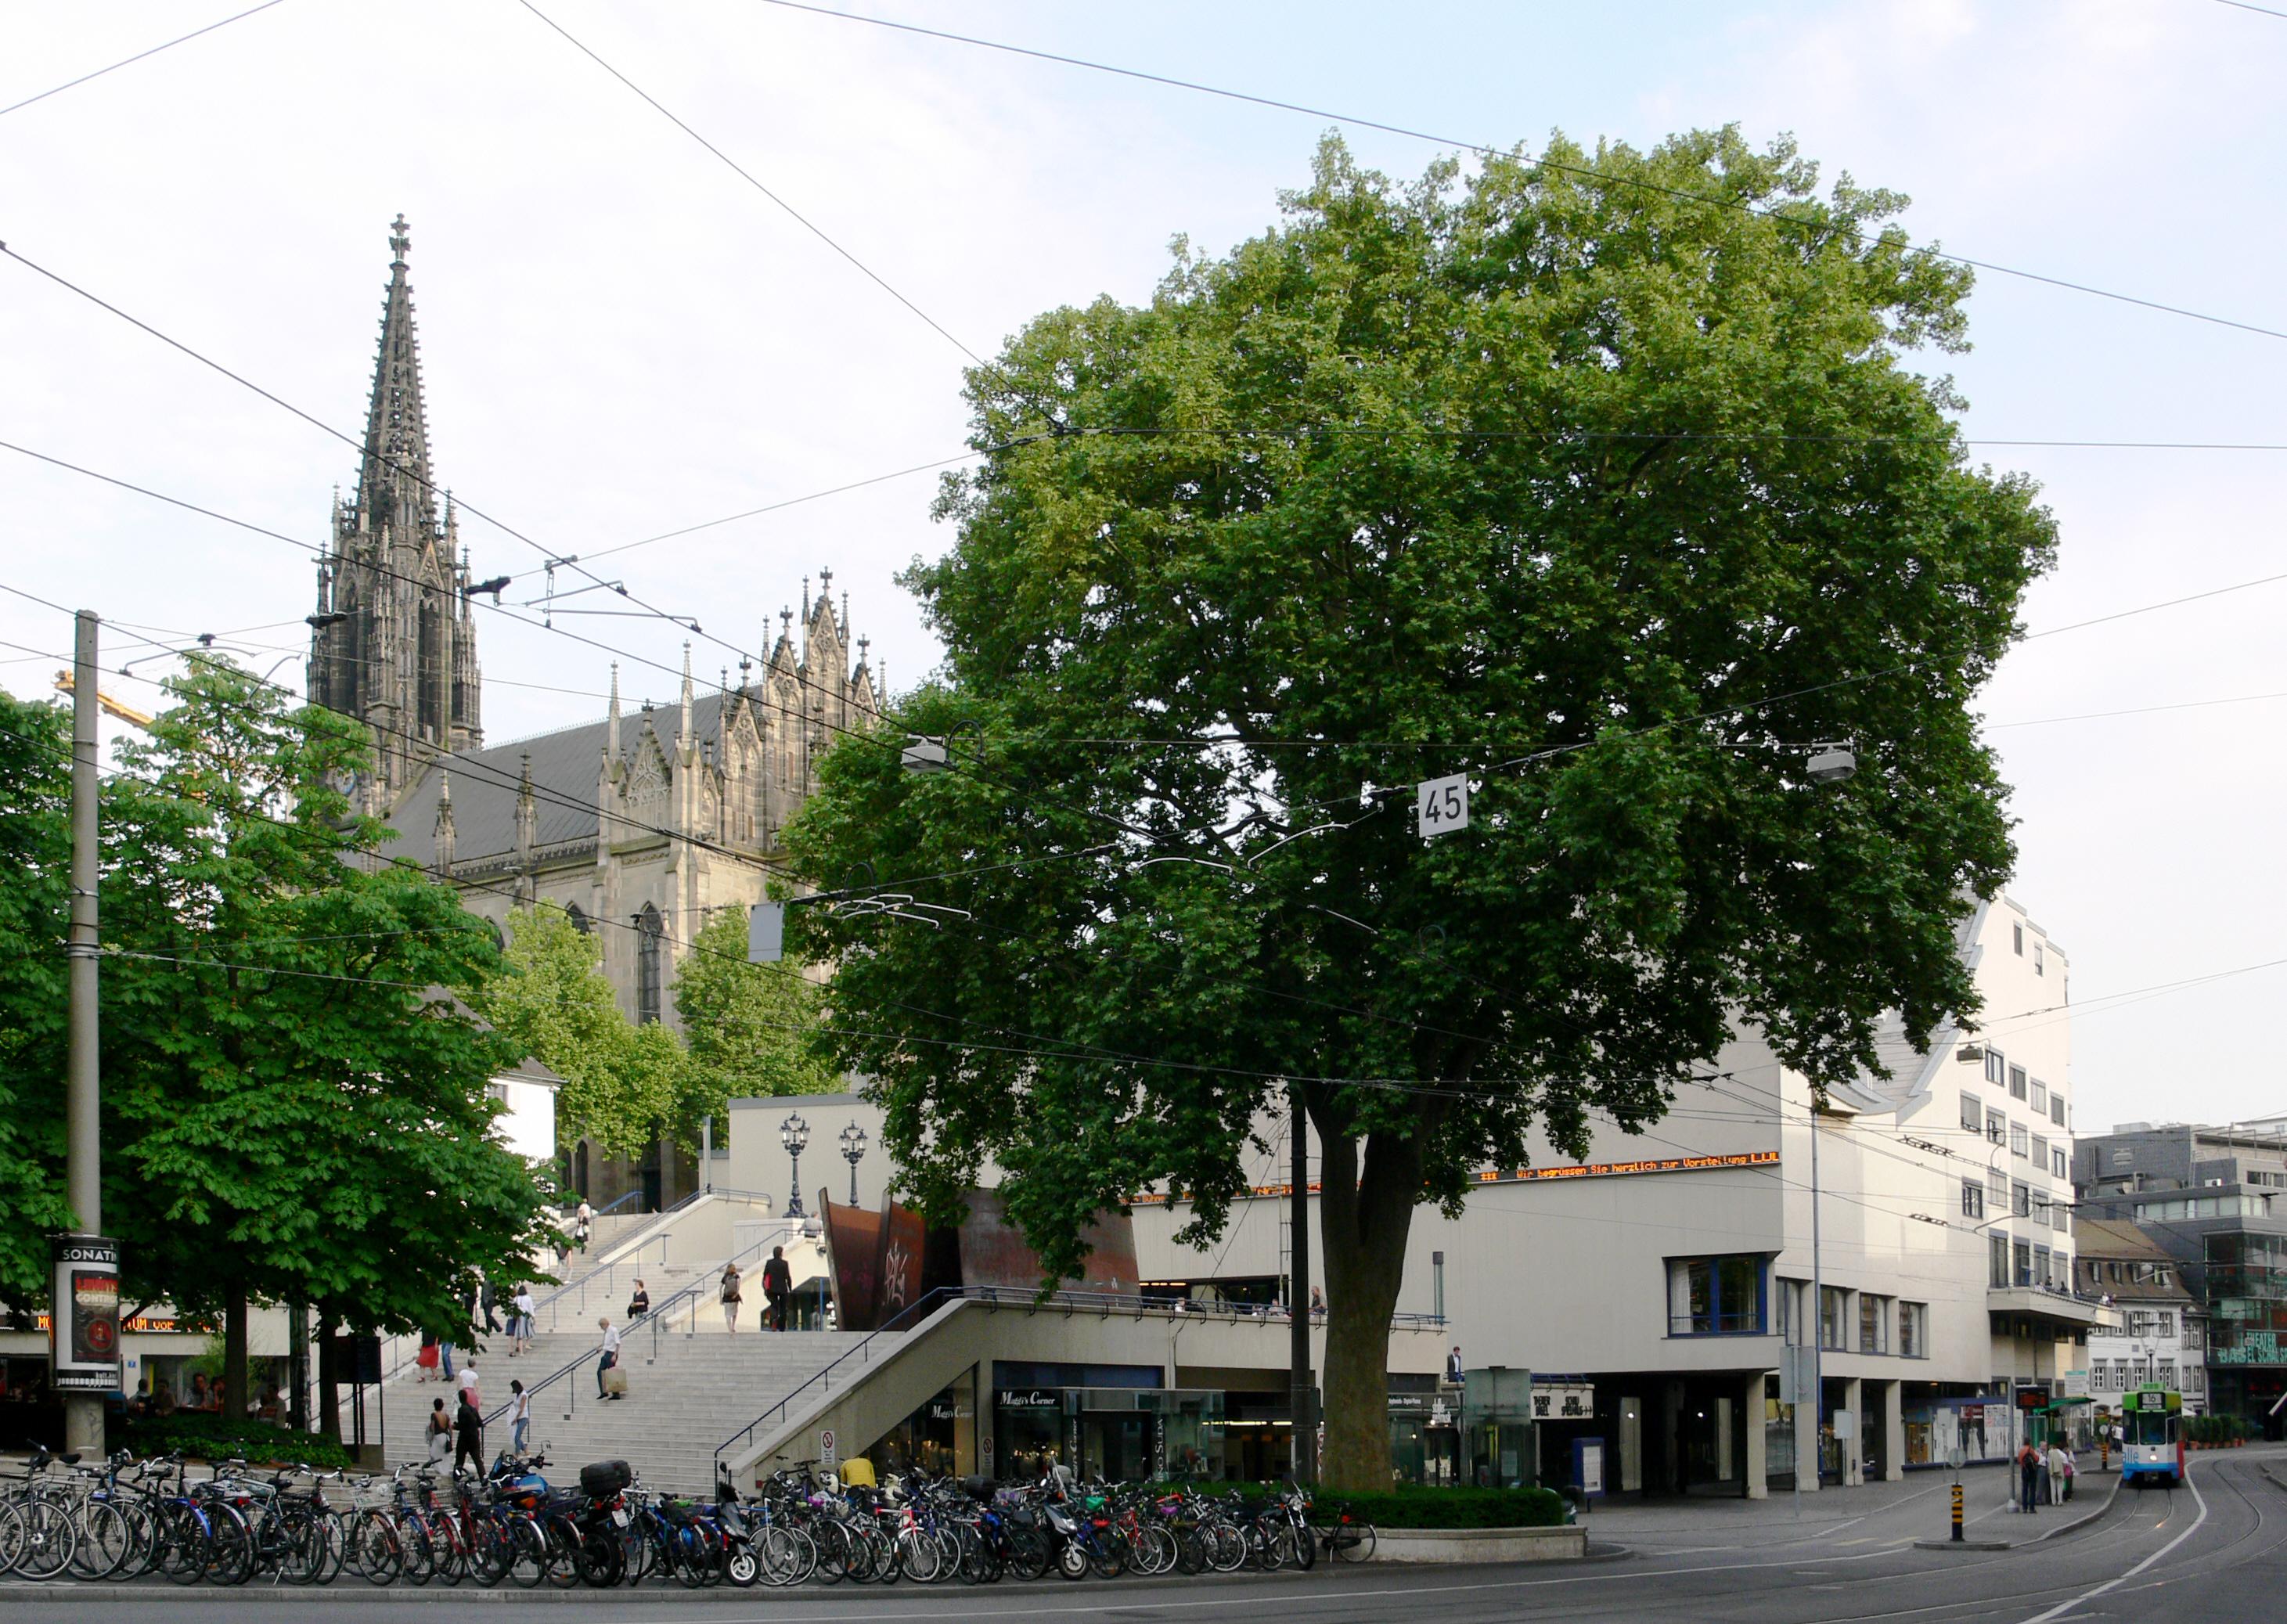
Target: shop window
(1716, 1297)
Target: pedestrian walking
(778, 1286)
(445, 1357)
(438, 1431)
(639, 1304)
(610, 1361)
(2060, 1473)
(487, 1303)
(2029, 1470)
(583, 1222)
(519, 1417)
(523, 1312)
(427, 1358)
(469, 1424)
(730, 1298)
(467, 1384)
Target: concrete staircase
(686, 1393)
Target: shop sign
(1567, 1403)
(83, 1327)
(1030, 1399)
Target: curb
(2081, 1521)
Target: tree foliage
(749, 1026)
(35, 903)
(1605, 481)
(295, 1098)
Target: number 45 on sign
(1442, 806)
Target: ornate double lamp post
(853, 1150)
(793, 1133)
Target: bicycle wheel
(920, 1557)
(488, 1553)
(787, 1555)
(529, 1554)
(1153, 1549)
(1303, 1542)
(1352, 1542)
(417, 1557)
(375, 1550)
(183, 1534)
(1029, 1556)
(230, 1545)
(1226, 1547)
(48, 1542)
(832, 1546)
(106, 1542)
(1109, 1556)
(564, 1558)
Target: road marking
(2061, 1608)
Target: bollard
(1957, 1513)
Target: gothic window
(650, 931)
(579, 918)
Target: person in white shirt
(525, 1309)
(519, 1417)
(610, 1356)
(468, 1384)
(2060, 1473)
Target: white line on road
(2113, 1584)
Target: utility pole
(1299, 1405)
(84, 1312)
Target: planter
(1481, 1544)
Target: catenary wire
(1632, 183)
(137, 57)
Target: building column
(1894, 1432)
(1854, 1449)
(1753, 1425)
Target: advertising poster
(83, 1322)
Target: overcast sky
(620, 337)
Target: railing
(1104, 1303)
(657, 1318)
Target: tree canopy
(1604, 481)
(296, 1102)
(748, 1025)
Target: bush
(1456, 1507)
(215, 1438)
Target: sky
(622, 336)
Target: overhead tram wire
(733, 164)
(1766, 212)
(137, 57)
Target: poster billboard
(84, 1320)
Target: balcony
(2059, 1310)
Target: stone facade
(649, 819)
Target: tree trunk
(1363, 1222)
(234, 1355)
(329, 1397)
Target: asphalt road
(2216, 1549)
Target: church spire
(394, 483)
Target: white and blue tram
(2152, 1437)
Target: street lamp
(793, 1133)
(853, 1149)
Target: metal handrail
(656, 1317)
(1105, 1303)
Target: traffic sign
(1442, 806)
(828, 1455)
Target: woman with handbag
(730, 1298)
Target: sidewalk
(1911, 1510)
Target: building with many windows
(1760, 1289)
(2161, 1340)
(2215, 1201)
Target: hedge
(1456, 1507)
(214, 1437)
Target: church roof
(486, 784)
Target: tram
(2152, 1437)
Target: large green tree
(1607, 480)
(294, 1100)
(34, 900)
(749, 1026)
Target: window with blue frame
(1718, 1296)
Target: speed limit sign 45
(1442, 806)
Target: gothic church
(593, 817)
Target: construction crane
(124, 713)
